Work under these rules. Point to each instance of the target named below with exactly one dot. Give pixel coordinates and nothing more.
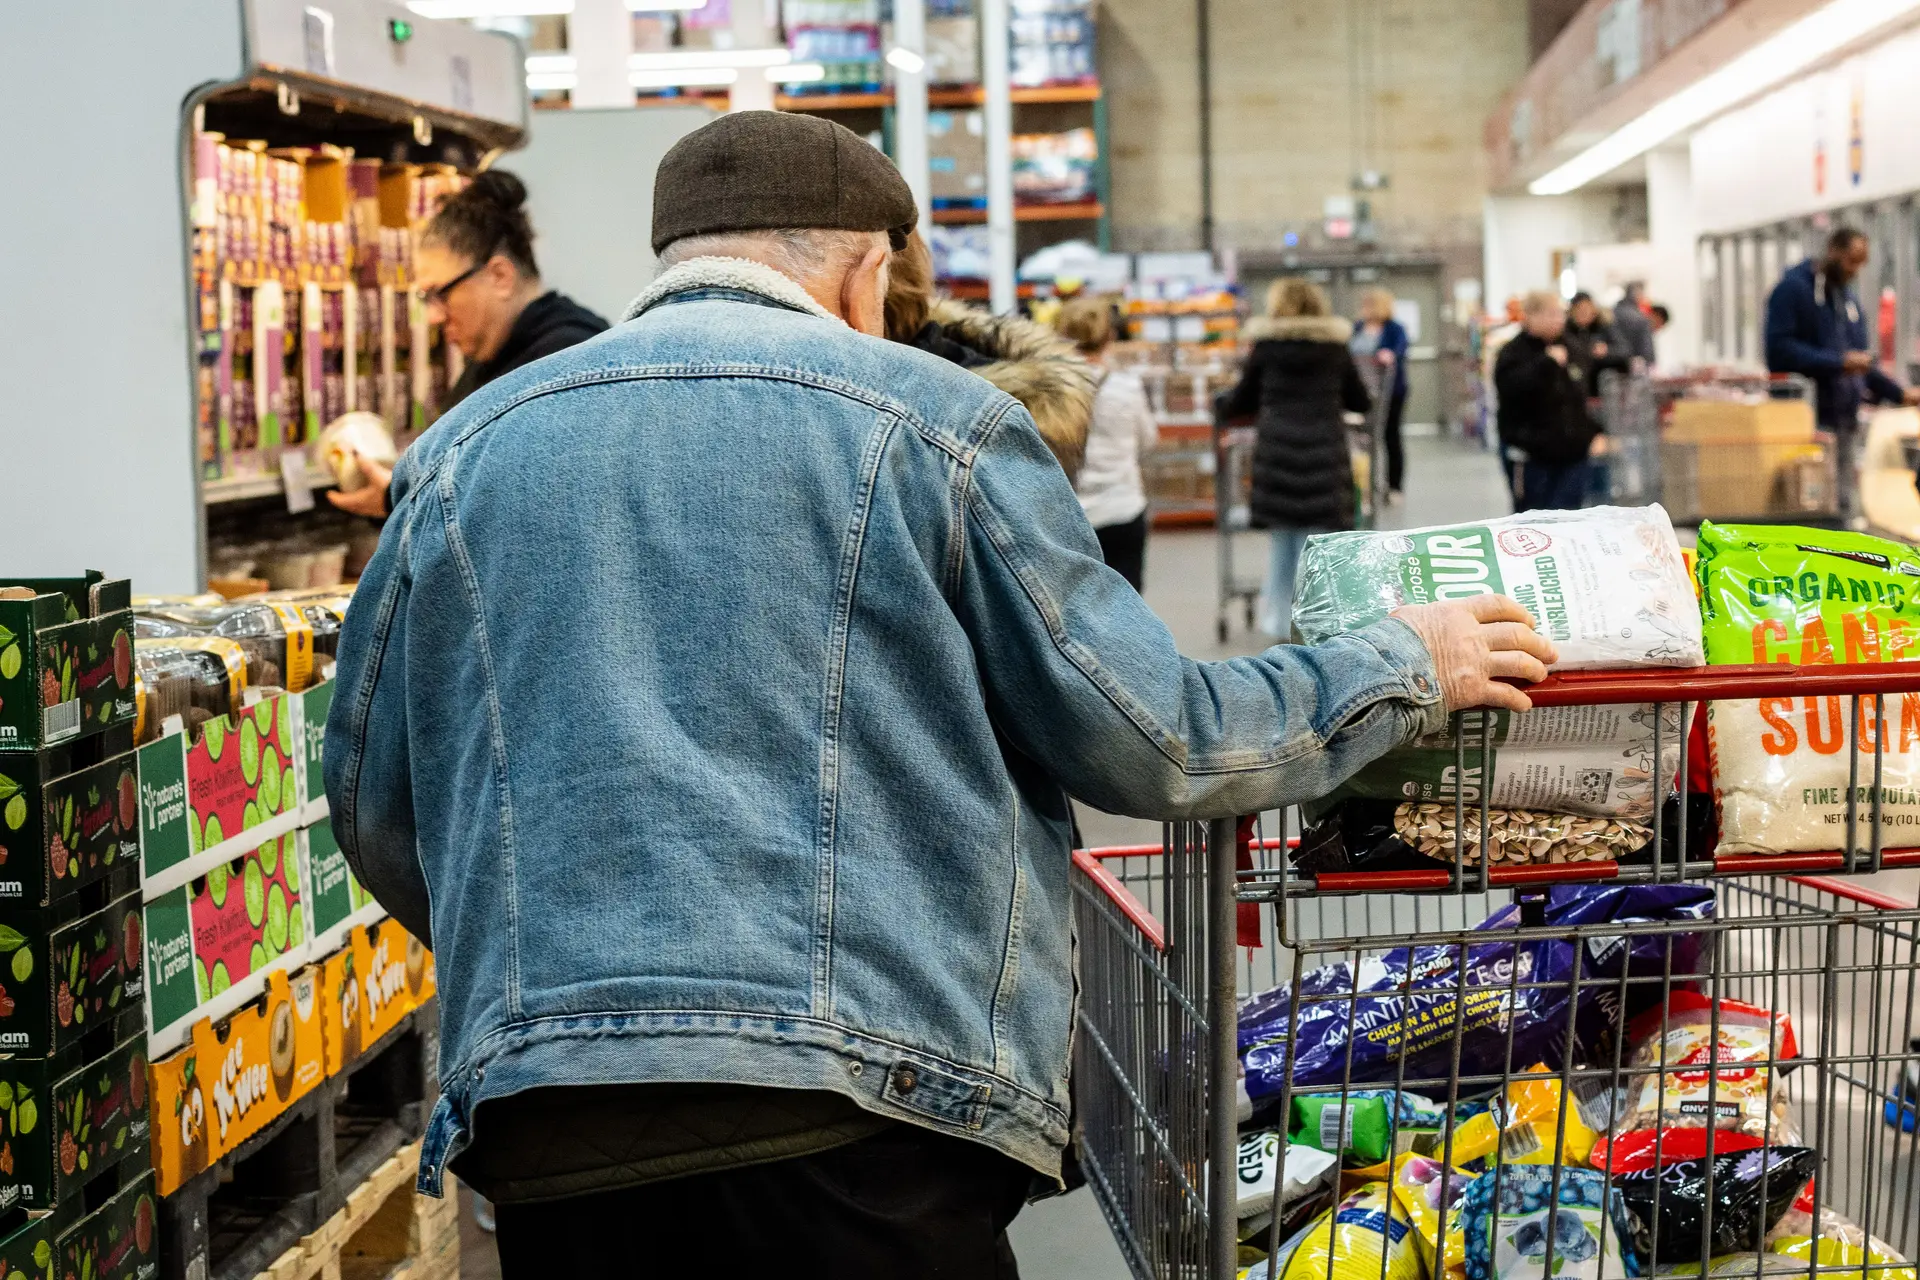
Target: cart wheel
(1220, 629)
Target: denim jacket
(712, 704)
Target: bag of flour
(1812, 597)
(1591, 760)
(1606, 584)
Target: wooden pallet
(386, 1232)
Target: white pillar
(1674, 231)
(996, 78)
(910, 106)
(600, 38)
(752, 29)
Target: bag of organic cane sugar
(1606, 584)
(1780, 765)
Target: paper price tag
(293, 473)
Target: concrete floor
(1447, 481)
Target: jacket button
(1422, 683)
(904, 1080)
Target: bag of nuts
(1379, 835)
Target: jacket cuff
(1407, 655)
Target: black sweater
(551, 322)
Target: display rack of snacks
(75, 1190)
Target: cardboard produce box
(61, 1128)
(229, 1082)
(241, 919)
(335, 899)
(69, 816)
(953, 51)
(118, 1241)
(1697, 421)
(240, 779)
(66, 660)
(369, 986)
(60, 979)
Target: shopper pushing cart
(712, 705)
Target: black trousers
(1124, 548)
(905, 1202)
(1396, 450)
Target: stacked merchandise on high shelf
(1183, 329)
(274, 976)
(843, 37)
(301, 261)
(76, 1191)
(1051, 42)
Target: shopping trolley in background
(1742, 477)
(1174, 940)
(1233, 443)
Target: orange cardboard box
(369, 985)
(227, 1083)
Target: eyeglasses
(437, 297)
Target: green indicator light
(399, 30)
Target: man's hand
(1474, 644)
(1559, 354)
(1857, 361)
(371, 499)
(1599, 349)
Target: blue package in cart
(1396, 1016)
(1518, 1228)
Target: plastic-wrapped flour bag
(1606, 584)
(1780, 765)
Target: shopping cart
(1163, 979)
(1735, 478)
(1631, 413)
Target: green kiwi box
(314, 704)
(66, 660)
(334, 898)
(67, 819)
(26, 1253)
(238, 779)
(60, 1129)
(118, 1241)
(58, 981)
(208, 940)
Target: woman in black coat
(1300, 379)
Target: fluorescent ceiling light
(551, 81)
(796, 73)
(906, 60)
(715, 58)
(682, 77)
(488, 8)
(664, 6)
(1774, 60)
(551, 63)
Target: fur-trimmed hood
(1299, 329)
(1034, 366)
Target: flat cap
(762, 170)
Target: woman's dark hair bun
(487, 217)
(497, 186)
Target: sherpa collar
(727, 273)
(1298, 329)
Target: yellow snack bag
(1524, 1127)
(1419, 1186)
(1364, 1237)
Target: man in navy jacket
(1815, 327)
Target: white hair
(799, 252)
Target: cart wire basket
(1695, 1064)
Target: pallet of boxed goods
(386, 1229)
(270, 1191)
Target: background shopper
(1591, 342)
(809, 590)
(1543, 408)
(1028, 361)
(1111, 490)
(1300, 379)
(1382, 340)
(1633, 326)
(476, 272)
(1815, 328)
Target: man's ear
(863, 293)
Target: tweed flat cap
(762, 170)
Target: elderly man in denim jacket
(712, 706)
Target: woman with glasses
(477, 276)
